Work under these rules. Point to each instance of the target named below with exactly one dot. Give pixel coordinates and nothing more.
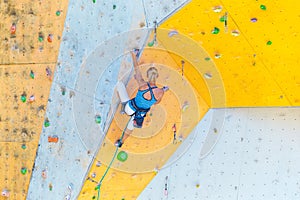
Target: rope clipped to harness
(98, 187)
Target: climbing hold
(173, 32)
(122, 156)
(58, 13)
(50, 187)
(215, 130)
(197, 185)
(185, 106)
(63, 90)
(23, 146)
(156, 170)
(31, 98)
(217, 9)
(50, 38)
(98, 164)
(5, 193)
(150, 44)
(207, 58)
(23, 170)
(53, 139)
(94, 197)
(98, 119)
(31, 74)
(46, 123)
(269, 42)
(67, 197)
(13, 29)
(223, 18)
(235, 33)
(218, 55)
(254, 19)
(93, 175)
(207, 75)
(263, 7)
(114, 6)
(23, 97)
(44, 174)
(41, 37)
(216, 30)
(70, 187)
(49, 73)
(97, 187)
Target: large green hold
(122, 156)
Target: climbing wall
(150, 147)
(83, 102)
(256, 157)
(211, 54)
(30, 38)
(252, 43)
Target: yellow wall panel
(21, 123)
(22, 51)
(34, 21)
(254, 73)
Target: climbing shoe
(118, 143)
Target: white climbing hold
(217, 9)
(208, 75)
(172, 33)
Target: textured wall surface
(255, 52)
(256, 157)
(27, 63)
(212, 54)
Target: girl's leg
(127, 133)
(122, 92)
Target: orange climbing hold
(53, 139)
(13, 29)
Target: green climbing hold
(41, 38)
(23, 98)
(97, 187)
(207, 58)
(114, 6)
(269, 42)
(46, 123)
(150, 44)
(223, 18)
(94, 1)
(122, 156)
(98, 119)
(94, 197)
(57, 13)
(23, 146)
(31, 74)
(23, 170)
(215, 30)
(263, 7)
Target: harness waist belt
(133, 103)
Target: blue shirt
(141, 102)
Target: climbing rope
(111, 162)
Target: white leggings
(123, 95)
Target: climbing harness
(111, 162)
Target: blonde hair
(152, 74)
